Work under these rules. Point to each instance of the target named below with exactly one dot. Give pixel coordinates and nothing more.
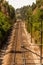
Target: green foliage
(1, 36)
(23, 12)
(7, 18)
(41, 14)
(37, 26)
(33, 6)
(33, 20)
(4, 25)
(29, 13)
(39, 3)
(8, 10)
(11, 12)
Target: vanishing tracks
(15, 53)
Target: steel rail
(23, 55)
(31, 51)
(16, 33)
(7, 58)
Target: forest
(33, 16)
(7, 18)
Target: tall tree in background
(11, 11)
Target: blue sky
(20, 3)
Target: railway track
(16, 54)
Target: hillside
(7, 18)
(33, 16)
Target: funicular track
(16, 54)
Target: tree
(33, 6)
(39, 3)
(11, 11)
(4, 26)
